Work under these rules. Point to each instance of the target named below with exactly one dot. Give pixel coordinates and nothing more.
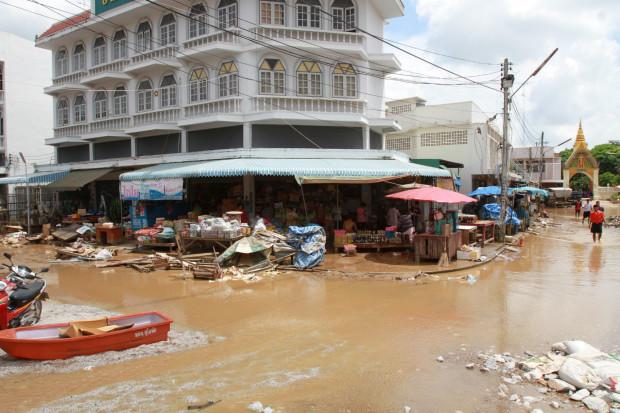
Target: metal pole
(27, 192)
(540, 163)
(506, 84)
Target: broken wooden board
(68, 233)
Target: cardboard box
(468, 255)
(81, 211)
(446, 229)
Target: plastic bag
(104, 254)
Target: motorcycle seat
(22, 295)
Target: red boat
(44, 342)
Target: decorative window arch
(198, 86)
(143, 37)
(101, 105)
(79, 109)
(79, 57)
(145, 96)
(272, 77)
(168, 29)
(345, 81)
(227, 13)
(119, 100)
(343, 12)
(119, 45)
(168, 92)
(99, 52)
(62, 112)
(272, 12)
(62, 63)
(309, 13)
(197, 21)
(309, 79)
(228, 79)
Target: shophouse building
(456, 132)
(545, 169)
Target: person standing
(587, 209)
(597, 219)
(392, 216)
(600, 208)
(577, 208)
(362, 217)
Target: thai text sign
(105, 5)
(152, 189)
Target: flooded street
(304, 343)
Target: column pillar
(365, 137)
(248, 194)
(247, 135)
(183, 141)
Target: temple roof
(580, 142)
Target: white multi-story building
(548, 173)
(25, 112)
(456, 132)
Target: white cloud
(579, 82)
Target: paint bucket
(521, 241)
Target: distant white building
(25, 111)
(456, 132)
(529, 159)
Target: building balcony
(108, 71)
(67, 82)
(163, 57)
(212, 42)
(108, 129)
(308, 104)
(215, 113)
(311, 39)
(72, 131)
(163, 121)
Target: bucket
(521, 241)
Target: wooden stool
(351, 253)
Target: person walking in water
(587, 209)
(597, 219)
(578, 208)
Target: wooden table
(187, 242)
(111, 235)
(431, 246)
(486, 229)
(468, 233)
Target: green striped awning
(34, 178)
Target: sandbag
(579, 374)
(574, 346)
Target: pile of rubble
(573, 368)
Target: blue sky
(472, 38)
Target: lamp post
(27, 191)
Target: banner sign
(160, 189)
(105, 5)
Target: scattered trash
(440, 359)
(202, 406)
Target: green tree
(608, 158)
(606, 178)
(580, 181)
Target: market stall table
(485, 231)
(373, 245)
(468, 233)
(109, 235)
(186, 242)
(431, 246)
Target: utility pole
(540, 163)
(507, 81)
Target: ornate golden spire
(580, 142)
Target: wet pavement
(308, 342)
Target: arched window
(168, 29)
(79, 58)
(168, 92)
(62, 63)
(120, 101)
(119, 45)
(143, 37)
(79, 109)
(309, 79)
(145, 96)
(101, 105)
(345, 81)
(272, 77)
(309, 13)
(62, 112)
(99, 51)
(272, 12)
(198, 86)
(227, 13)
(197, 21)
(343, 12)
(228, 79)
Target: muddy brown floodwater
(304, 343)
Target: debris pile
(84, 251)
(573, 369)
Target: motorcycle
(21, 294)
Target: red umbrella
(617, 187)
(433, 194)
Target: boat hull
(43, 342)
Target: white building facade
(136, 83)
(457, 132)
(548, 173)
(25, 111)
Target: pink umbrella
(617, 187)
(433, 194)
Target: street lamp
(27, 191)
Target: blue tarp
(311, 241)
(532, 190)
(493, 211)
(489, 190)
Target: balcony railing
(310, 36)
(112, 124)
(166, 53)
(115, 67)
(223, 106)
(299, 104)
(72, 78)
(72, 130)
(156, 117)
(229, 36)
